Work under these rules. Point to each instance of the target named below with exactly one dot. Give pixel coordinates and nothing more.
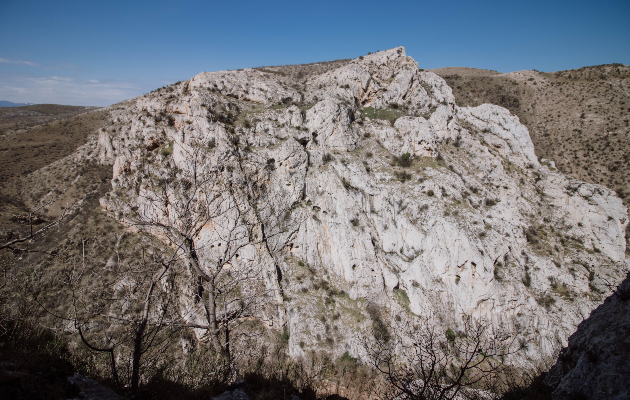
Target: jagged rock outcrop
(474, 225)
(595, 363)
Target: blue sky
(99, 53)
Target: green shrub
(386, 114)
(527, 281)
(403, 176)
(497, 272)
(346, 357)
(36, 362)
(403, 298)
(379, 329)
(562, 290)
(167, 150)
(346, 184)
(545, 301)
(403, 161)
(427, 88)
(285, 334)
(450, 335)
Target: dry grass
(15, 118)
(26, 150)
(387, 114)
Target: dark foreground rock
(92, 390)
(596, 363)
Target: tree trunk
(227, 329)
(212, 316)
(211, 308)
(137, 354)
(193, 261)
(110, 351)
(137, 342)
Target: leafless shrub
(421, 362)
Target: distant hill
(32, 136)
(4, 103)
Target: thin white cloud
(9, 61)
(53, 66)
(28, 88)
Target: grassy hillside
(15, 118)
(26, 147)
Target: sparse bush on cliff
(167, 149)
(404, 160)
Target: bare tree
(35, 227)
(124, 310)
(421, 362)
(204, 203)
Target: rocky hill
(387, 191)
(577, 118)
(4, 103)
(356, 196)
(595, 363)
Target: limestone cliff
(379, 189)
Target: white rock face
(497, 120)
(418, 136)
(475, 226)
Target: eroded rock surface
(476, 225)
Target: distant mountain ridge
(4, 103)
